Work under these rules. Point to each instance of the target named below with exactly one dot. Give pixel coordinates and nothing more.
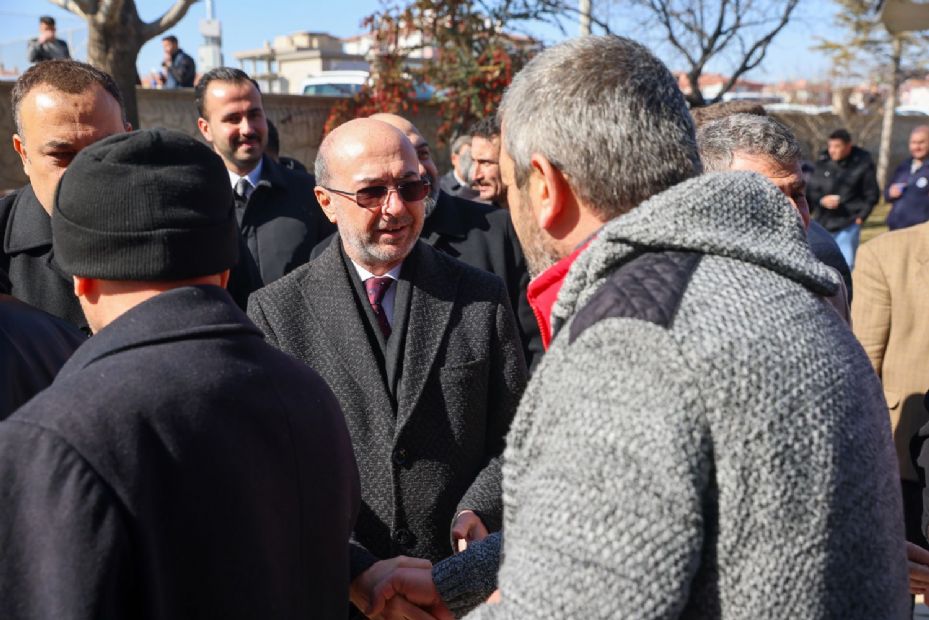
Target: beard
(538, 249)
(370, 252)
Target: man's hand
(467, 528)
(896, 190)
(362, 587)
(413, 584)
(830, 202)
(918, 562)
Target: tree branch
(171, 17)
(81, 8)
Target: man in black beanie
(178, 466)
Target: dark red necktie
(376, 288)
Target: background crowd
(623, 359)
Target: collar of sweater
(738, 215)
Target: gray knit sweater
(728, 459)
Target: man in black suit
(60, 107)
(178, 466)
(421, 350)
(277, 213)
(478, 234)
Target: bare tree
(701, 31)
(116, 34)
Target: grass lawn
(876, 223)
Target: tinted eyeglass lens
(374, 196)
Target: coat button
(404, 538)
(400, 456)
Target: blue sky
(247, 28)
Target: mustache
(396, 222)
(246, 137)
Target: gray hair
(608, 115)
(764, 136)
(459, 142)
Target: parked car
(347, 84)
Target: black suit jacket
(450, 185)
(428, 410)
(482, 236)
(178, 467)
(284, 222)
(31, 274)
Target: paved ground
(920, 612)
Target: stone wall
(299, 121)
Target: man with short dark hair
(843, 191)
(178, 466)
(278, 216)
(59, 107)
(180, 70)
(47, 46)
(485, 158)
(457, 181)
(420, 349)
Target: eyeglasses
(376, 195)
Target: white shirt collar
(253, 177)
(365, 275)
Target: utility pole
(584, 10)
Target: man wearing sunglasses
(478, 234)
(420, 349)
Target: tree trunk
(117, 56)
(890, 107)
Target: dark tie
(376, 288)
(241, 198)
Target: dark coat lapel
(435, 287)
(336, 316)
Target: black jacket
(482, 236)
(450, 185)
(827, 251)
(33, 347)
(182, 71)
(178, 467)
(428, 409)
(53, 49)
(32, 274)
(283, 222)
(853, 179)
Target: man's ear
(82, 286)
(20, 147)
(204, 126)
(549, 191)
(324, 198)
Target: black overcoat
(178, 467)
(32, 275)
(428, 410)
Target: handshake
(402, 588)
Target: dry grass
(876, 224)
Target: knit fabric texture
(732, 461)
(146, 205)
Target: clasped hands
(401, 588)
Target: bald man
(476, 233)
(421, 350)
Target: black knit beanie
(153, 205)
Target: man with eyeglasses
(420, 349)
